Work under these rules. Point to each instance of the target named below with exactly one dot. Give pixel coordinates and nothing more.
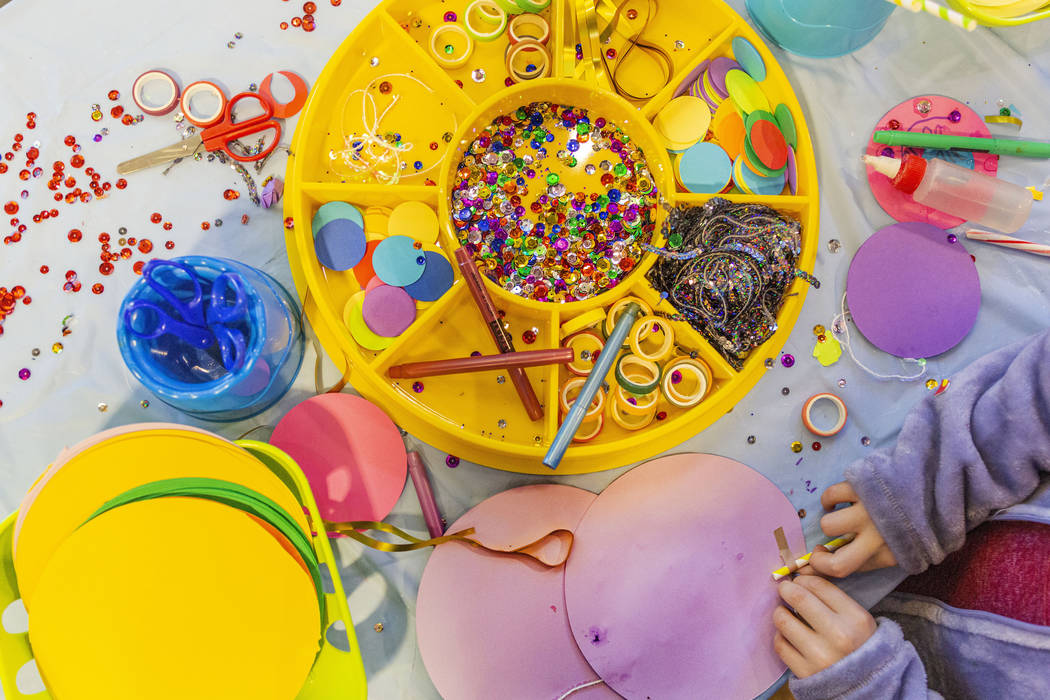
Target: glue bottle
(961, 192)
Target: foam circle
(529, 652)
(768, 144)
(336, 210)
(911, 292)
(937, 119)
(728, 129)
(354, 320)
(174, 598)
(436, 280)
(745, 92)
(683, 122)
(749, 58)
(107, 469)
(753, 183)
(786, 122)
(395, 261)
(686, 601)
(340, 244)
(350, 452)
(705, 168)
(363, 271)
(388, 311)
(415, 220)
(717, 72)
(791, 174)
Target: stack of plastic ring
(523, 51)
(529, 26)
(648, 326)
(807, 414)
(594, 413)
(489, 13)
(198, 88)
(702, 381)
(635, 399)
(446, 54)
(153, 76)
(585, 346)
(617, 308)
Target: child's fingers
(848, 519)
(828, 593)
(882, 558)
(847, 559)
(816, 614)
(841, 492)
(791, 656)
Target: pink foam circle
(912, 291)
(351, 453)
(388, 311)
(899, 205)
(669, 587)
(494, 626)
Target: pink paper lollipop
(351, 453)
(494, 626)
(668, 587)
(932, 114)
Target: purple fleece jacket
(981, 446)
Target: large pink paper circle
(351, 453)
(912, 291)
(938, 120)
(494, 626)
(669, 587)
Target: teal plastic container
(820, 28)
(194, 380)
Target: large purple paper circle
(494, 626)
(669, 586)
(388, 311)
(912, 292)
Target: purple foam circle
(388, 311)
(913, 290)
(717, 72)
(791, 174)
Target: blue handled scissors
(199, 323)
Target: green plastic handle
(1002, 147)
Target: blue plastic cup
(820, 28)
(195, 380)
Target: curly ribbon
(587, 26)
(1003, 119)
(634, 41)
(534, 550)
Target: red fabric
(1004, 568)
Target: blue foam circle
(758, 185)
(749, 58)
(397, 262)
(336, 210)
(340, 244)
(705, 168)
(436, 280)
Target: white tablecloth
(58, 58)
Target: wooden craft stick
(804, 559)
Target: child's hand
(833, 625)
(867, 550)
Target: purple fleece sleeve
(886, 667)
(980, 446)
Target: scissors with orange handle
(219, 131)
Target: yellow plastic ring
(627, 421)
(699, 370)
(587, 437)
(489, 12)
(584, 341)
(642, 404)
(510, 7)
(523, 46)
(439, 54)
(577, 383)
(582, 322)
(642, 329)
(533, 5)
(529, 26)
(617, 308)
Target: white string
(849, 347)
(369, 152)
(581, 687)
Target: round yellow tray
(474, 416)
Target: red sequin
(169, 244)
(44, 269)
(167, 225)
(122, 183)
(74, 235)
(113, 95)
(69, 140)
(106, 268)
(309, 8)
(77, 160)
(97, 288)
(11, 208)
(205, 226)
(155, 217)
(145, 246)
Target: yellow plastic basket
(335, 674)
(469, 415)
(983, 15)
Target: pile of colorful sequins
(534, 236)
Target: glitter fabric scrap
(557, 206)
(732, 289)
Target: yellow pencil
(804, 559)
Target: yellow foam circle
(415, 220)
(355, 322)
(745, 92)
(683, 122)
(170, 599)
(107, 469)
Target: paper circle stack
(394, 271)
(166, 562)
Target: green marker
(1002, 147)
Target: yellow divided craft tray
(335, 673)
(472, 415)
